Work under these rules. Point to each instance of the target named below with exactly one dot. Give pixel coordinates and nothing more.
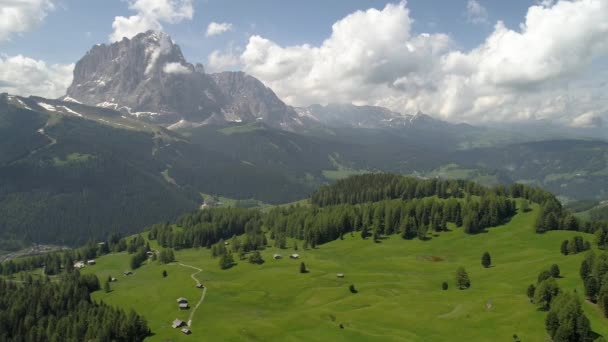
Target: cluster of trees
(256, 258)
(601, 234)
(565, 319)
(379, 187)
(594, 272)
(545, 290)
(575, 245)
(410, 219)
(63, 311)
(166, 255)
(553, 217)
(204, 228)
(226, 257)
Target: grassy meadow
(399, 290)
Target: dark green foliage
(545, 292)
(542, 276)
(226, 261)
(64, 311)
(592, 287)
(564, 247)
(204, 228)
(303, 268)
(554, 270)
(138, 258)
(462, 279)
(166, 256)
(530, 292)
(444, 285)
(87, 179)
(410, 218)
(486, 260)
(602, 300)
(566, 321)
(594, 272)
(106, 287)
(352, 289)
(364, 232)
(165, 274)
(256, 258)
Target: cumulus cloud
(515, 74)
(476, 13)
(18, 16)
(587, 120)
(215, 29)
(150, 14)
(367, 52)
(222, 61)
(25, 76)
(176, 68)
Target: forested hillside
(41, 310)
(66, 179)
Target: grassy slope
(399, 295)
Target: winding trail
(193, 276)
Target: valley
(398, 282)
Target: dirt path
(193, 276)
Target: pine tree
(564, 247)
(486, 260)
(226, 261)
(165, 274)
(256, 258)
(352, 288)
(106, 287)
(542, 276)
(303, 268)
(444, 285)
(554, 270)
(585, 269)
(546, 291)
(462, 278)
(591, 288)
(365, 232)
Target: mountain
(349, 115)
(148, 77)
(71, 172)
(249, 100)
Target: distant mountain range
(147, 77)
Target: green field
(399, 284)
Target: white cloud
(366, 53)
(18, 16)
(215, 29)
(587, 120)
(223, 61)
(176, 68)
(476, 13)
(150, 14)
(25, 76)
(373, 57)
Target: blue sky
(460, 60)
(75, 25)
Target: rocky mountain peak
(147, 76)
